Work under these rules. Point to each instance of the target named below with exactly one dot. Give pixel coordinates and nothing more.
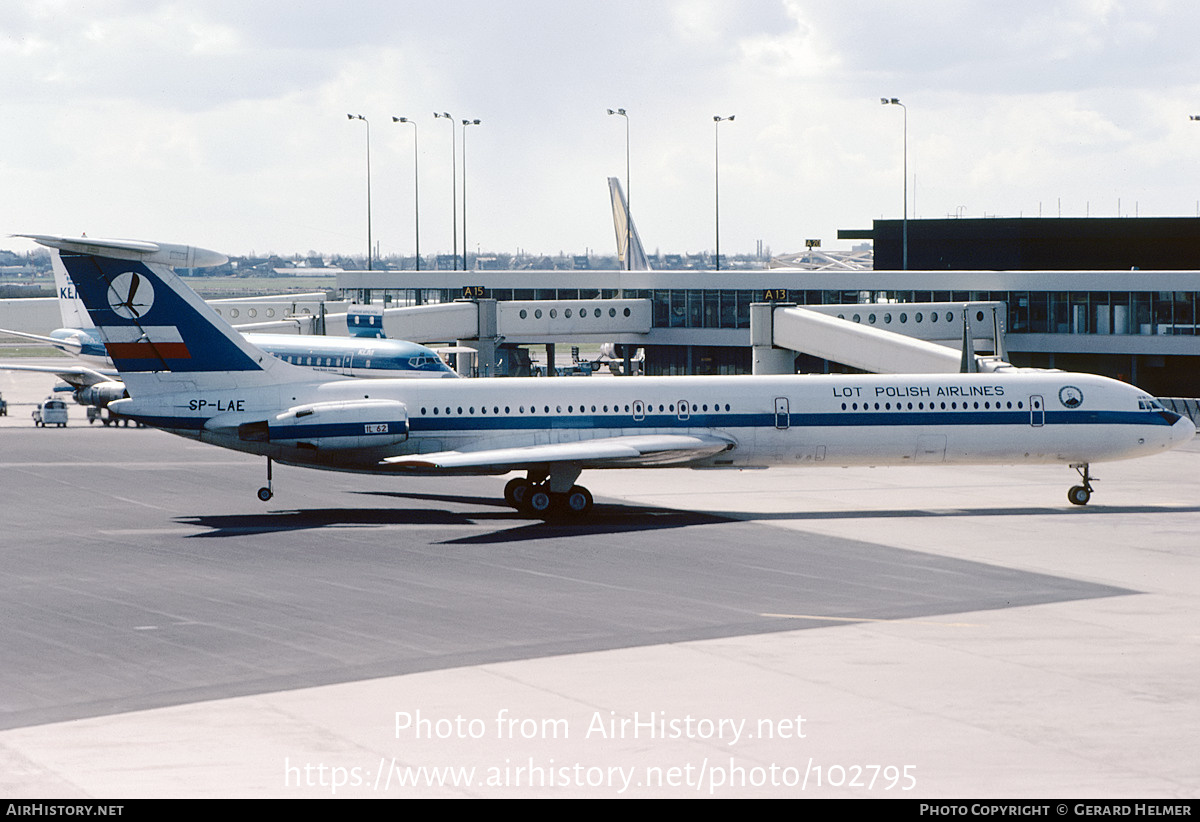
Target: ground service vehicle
(51, 411)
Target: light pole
(370, 245)
(893, 101)
(717, 120)
(1190, 117)
(416, 191)
(465, 123)
(453, 185)
(628, 195)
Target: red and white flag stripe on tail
(150, 342)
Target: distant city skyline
(314, 258)
(224, 124)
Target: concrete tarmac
(908, 632)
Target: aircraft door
(639, 411)
(1037, 411)
(931, 448)
(685, 410)
(783, 417)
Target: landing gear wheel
(515, 492)
(1080, 494)
(265, 494)
(577, 502)
(538, 502)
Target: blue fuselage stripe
(727, 421)
(863, 419)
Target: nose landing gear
(1081, 494)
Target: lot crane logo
(130, 295)
(1070, 396)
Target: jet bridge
(524, 321)
(279, 313)
(882, 338)
(484, 325)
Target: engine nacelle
(333, 425)
(101, 394)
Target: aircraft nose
(1183, 430)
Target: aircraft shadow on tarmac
(604, 518)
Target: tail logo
(130, 296)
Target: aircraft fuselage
(1015, 417)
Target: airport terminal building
(1139, 326)
(1096, 309)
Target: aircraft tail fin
(365, 321)
(70, 307)
(629, 245)
(158, 332)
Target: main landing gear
(549, 494)
(1080, 494)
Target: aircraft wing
(36, 337)
(612, 452)
(77, 376)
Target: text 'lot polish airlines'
(351, 356)
(190, 373)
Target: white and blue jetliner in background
(190, 373)
(95, 386)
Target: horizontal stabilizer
(176, 256)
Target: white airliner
(190, 373)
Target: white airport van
(52, 411)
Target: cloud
(226, 119)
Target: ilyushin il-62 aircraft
(190, 373)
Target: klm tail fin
(365, 321)
(70, 307)
(627, 234)
(158, 332)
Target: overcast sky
(222, 123)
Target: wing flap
(630, 452)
